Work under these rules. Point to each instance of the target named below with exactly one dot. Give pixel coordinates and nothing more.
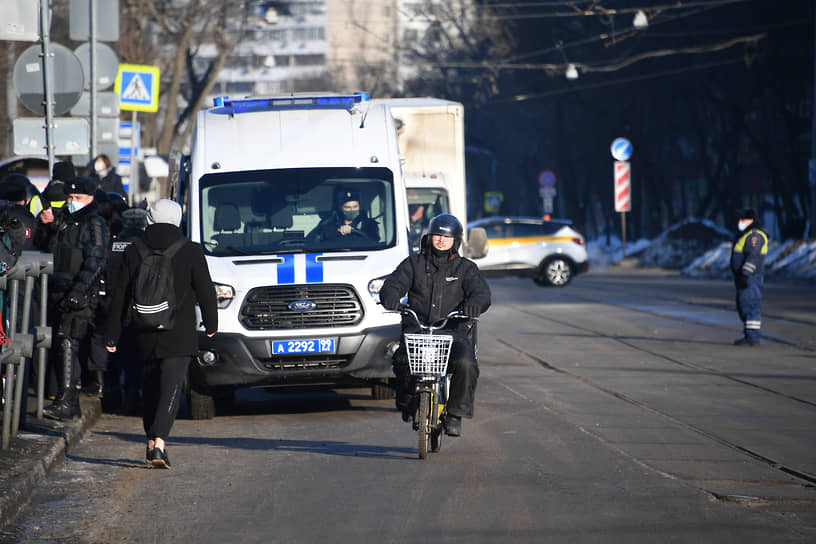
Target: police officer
(438, 281)
(747, 265)
(347, 220)
(134, 221)
(79, 246)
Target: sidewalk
(35, 451)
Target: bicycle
(428, 355)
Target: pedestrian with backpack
(162, 277)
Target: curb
(34, 453)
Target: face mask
(99, 166)
(742, 225)
(351, 215)
(74, 206)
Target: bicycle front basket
(428, 353)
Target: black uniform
(125, 358)
(436, 285)
(79, 245)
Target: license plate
(308, 345)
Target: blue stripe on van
(286, 270)
(314, 268)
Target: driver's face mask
(351, 210)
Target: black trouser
(92, 349)
(465, 376)
(69, 330)
(163, 381)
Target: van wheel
(382, 391)
(202, 405)
(556, 272)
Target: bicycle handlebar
(436, 325)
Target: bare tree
(170, 34)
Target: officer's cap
(80, 186)
(747, 213)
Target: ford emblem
(302, 305)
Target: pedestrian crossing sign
(138, 87)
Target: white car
(551, 252)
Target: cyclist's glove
(471, 309)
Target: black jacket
(111, 183)
(326, 230)
(434, 291)
(79, 243)
(192, 285)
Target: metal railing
(24, 338)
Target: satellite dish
(107, 65)
(66, 73)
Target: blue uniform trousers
(748, 306)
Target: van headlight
(224, 294)
(374, 287)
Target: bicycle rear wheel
(423, 417)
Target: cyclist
(438, 281)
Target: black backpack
(154, 298)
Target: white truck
(265, 191)
(431, 139)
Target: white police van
(263, 192)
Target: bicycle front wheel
(424, 420)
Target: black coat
(192, 284)
(434, 291)
(111, 183)
(79, 243)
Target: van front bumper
(234, 360)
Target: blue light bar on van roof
(290, 103)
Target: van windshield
(297, 210)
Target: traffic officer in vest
(747, 265)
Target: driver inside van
(347, 220)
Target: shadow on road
(324, 447)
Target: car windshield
(297, 210)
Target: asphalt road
(613, 410)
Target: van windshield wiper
(233, 250)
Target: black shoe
(408, 408)
(93, 389)
(95, 384)
(160, 459)
(148, 455)
(745, 342)
(453, 425)
(67, 408)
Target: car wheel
(556, 272)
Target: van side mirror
(477, 243)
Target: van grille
(267, 308)
(305, 363)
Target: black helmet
(447, 225)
